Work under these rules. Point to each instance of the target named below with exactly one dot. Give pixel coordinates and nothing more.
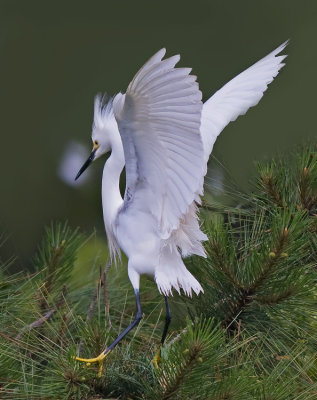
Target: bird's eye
(96, 143)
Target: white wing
(159, 123)
(232, 100)
(237, 96)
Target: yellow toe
(99, 359)
(157, 358)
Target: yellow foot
(99, 359)
(157, 358)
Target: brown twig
(105, 294)
(63, 328)
(44, 318)
(93, 303)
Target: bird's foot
(99, 360)
(157, 358)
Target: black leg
(136, 321)
(157, 358)
(167, 319)
(104, 354)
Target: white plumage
(163, 135)
(237, 96)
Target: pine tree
(251, 335)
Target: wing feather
(232, 100)
(159, 123)
(237, 96)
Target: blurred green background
(55, 56)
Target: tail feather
(171, 273)
(188, 237)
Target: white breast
(136, 234)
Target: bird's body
(134, 229)
(163, 106)
(163, 135)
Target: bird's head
(102, 130)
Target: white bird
(163, 135)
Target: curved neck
(111, 196)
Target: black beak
(86, 164)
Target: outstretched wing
(159, 123)
(237, 96)
(232, 100)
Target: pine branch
(274, 299)
(219, 256)
(307, 197)
(259, 281)
(273, 259)
(192, 358)
(250, 265)
(270, 185)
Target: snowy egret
(163, 135)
